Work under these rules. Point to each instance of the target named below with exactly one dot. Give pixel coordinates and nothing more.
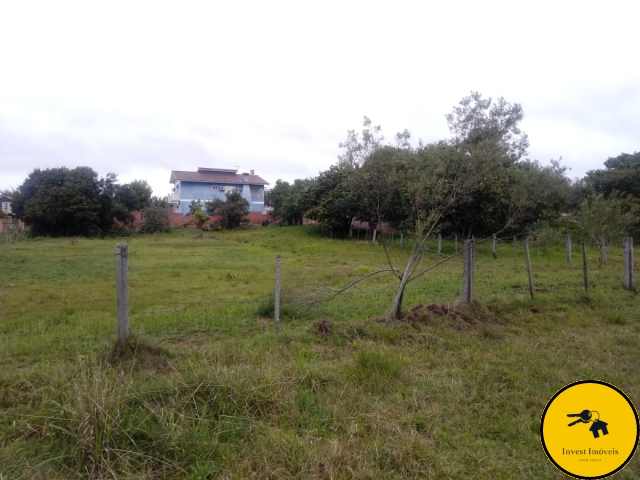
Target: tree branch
(338, 292)
(395, 271)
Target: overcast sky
(143, 88)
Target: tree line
(77, 202)
(477, 182)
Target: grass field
(206, 389)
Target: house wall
(205, 192)
(180, 220)
(11, 223)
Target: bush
(156, 220)
(232, 210)
(266, 308)
(119, 230)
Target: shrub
(156, 220)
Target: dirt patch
(189, 341)
(139, 354)
(439, 310)
(323, 327)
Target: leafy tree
(156, 219)
(195, 209)
(606, 218)
(358, 148)
(621, 174)
(61, 202)
(135, 196)
(159, 202)
(110, 207)
(468, 182)
(402, 139)
(377, 186)
(290, 202)
(476, 182)
(201, 218)
(68, 202)
(487, 133)
(332, 200)
(232, 210)
(194, 206)
(279, 196)
(579, 190)
(538, 193)
(477, 120)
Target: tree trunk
(603, 251)
(396, 308)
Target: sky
(142, 88)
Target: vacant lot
(206, 389)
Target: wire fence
(224, 281)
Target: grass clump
(288, 308)
(377, 369)
(139, 353)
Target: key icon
(584, 417)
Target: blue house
(211, 183)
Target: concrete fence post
(628, 263)
(568, 246)
(467, 275)
(529, 272)
(439, 243)
(584, 266)
(122, 291)
(495, 247)
(276, 303)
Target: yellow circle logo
(589, 429)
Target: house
(10, 221)
(5, 204)
(211, 183)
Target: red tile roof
(215, 176)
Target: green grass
(206, 389)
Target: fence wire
(53, 285)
